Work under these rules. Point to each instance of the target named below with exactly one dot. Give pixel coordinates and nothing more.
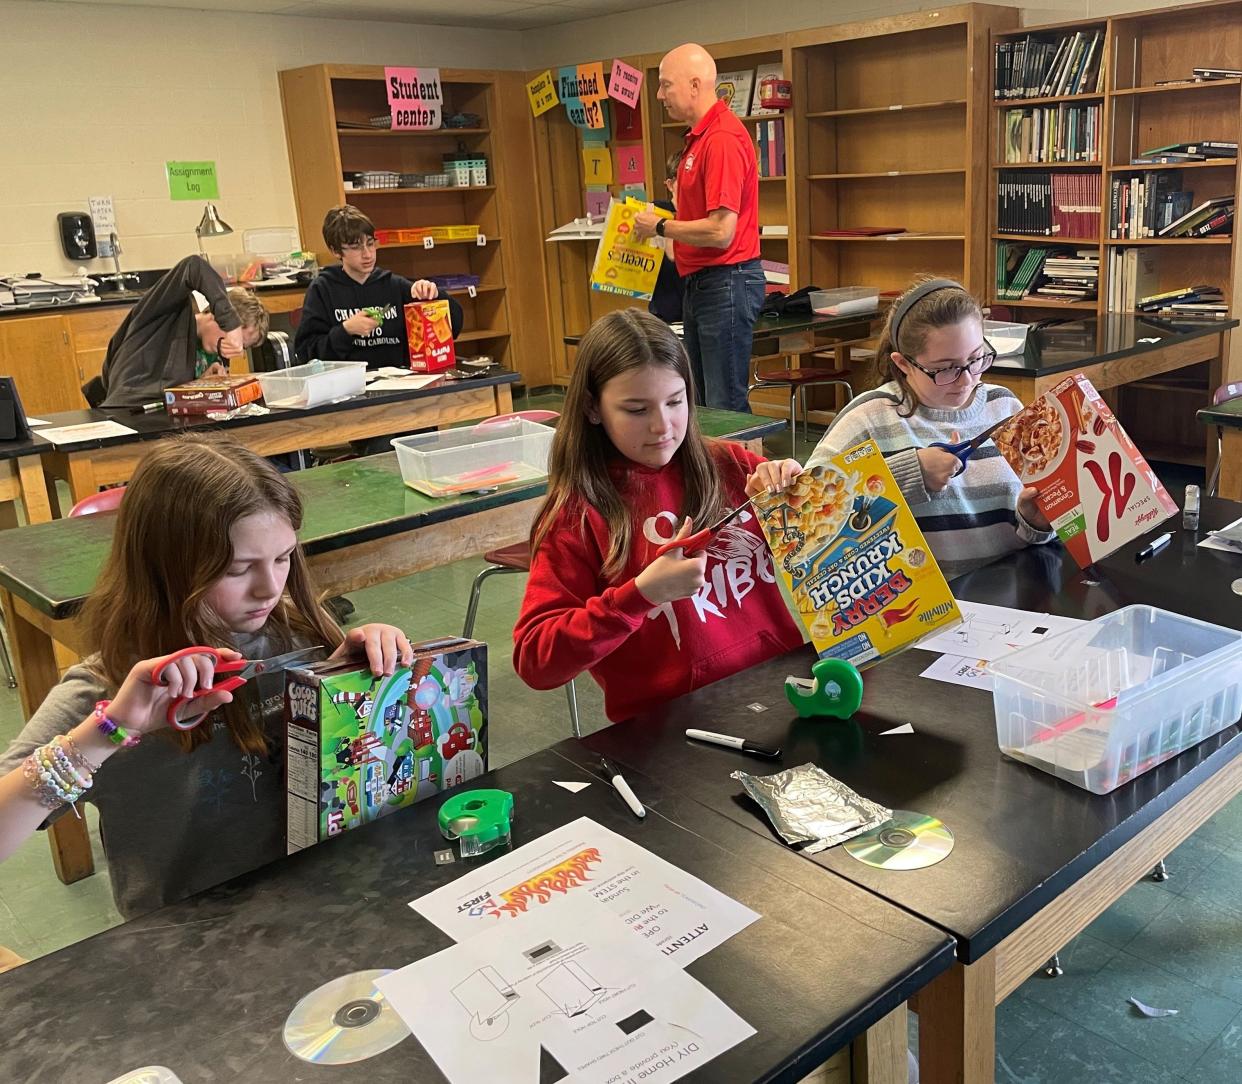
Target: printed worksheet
(75, 434)
(955, 670)
(988, 632)
(682, 916)
(570, 993)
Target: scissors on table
(230, 674)
(692, 544)
(966, 448)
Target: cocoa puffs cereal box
(1094, 485)
(429, 329)
(851, 553)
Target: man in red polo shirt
(716, 231)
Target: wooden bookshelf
(889, 131)
(318, 98)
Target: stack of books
(1145, 204)
(1186, 301)
(1174, 154)
(1042, 68)
(770, 147)
(1069, 277)
(775, 276)
(1053, 133)
(1017, 269)
(1211, 218)
(1055, 204)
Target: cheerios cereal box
(1095, 487)
(850, 550)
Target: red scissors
(230, 674)
(692, 544)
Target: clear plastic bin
(1104, 703)
(1005, 338)
(846, 300)
(473, 458)
(312, 384)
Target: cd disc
(907, 841)
(344, 1020)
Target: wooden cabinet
(37, 351)
(90, 333)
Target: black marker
(622, 788)
(1154, 547)
(731, 742)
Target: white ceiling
(499, 14)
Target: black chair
(94, 392)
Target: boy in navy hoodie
(334, 326)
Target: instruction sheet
(680, 915)
(570, 993)
(986, 634)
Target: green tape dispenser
(478, 819)
(834, 689)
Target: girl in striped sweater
(933, 352)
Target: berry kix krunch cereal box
(850, 551)
(1094, 485)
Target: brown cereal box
(851, 552)
(212, 393)
(430, 332)
(1094, 485)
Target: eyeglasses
(367, 245)
(950, 374)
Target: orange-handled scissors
(230, 674)
(692, 544)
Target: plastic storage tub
(314, 383)
(845, 301)
(1005, 338)
(1104, 703)
(475, 457)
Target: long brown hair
(940, 308)
(581, 451)
(170, 546)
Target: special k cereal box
(854, 559)
(430, 332)
(1094, 485)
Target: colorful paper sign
(624, 264)
(624, 83)
(591, 81)
(192, 180)
(597, 165)
(415, 98)
(542, 93)
(629, 122)
(630, 164)
(597, 203)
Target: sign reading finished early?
(192, 180)
(414, 97)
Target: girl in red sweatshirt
(628, 471)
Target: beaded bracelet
(111, 730)
(54, 778)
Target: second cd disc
(343, 1021)
(906, 841)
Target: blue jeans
(719, 313)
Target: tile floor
(1172, 945)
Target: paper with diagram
(570, 992)
(682, 916)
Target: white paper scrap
(1147, 1010)
(956, 670)
(36, 421)
(905, 728)
(411, 382)
(678, 913)
(1223, 542)
(572, 985)
(77, 434)
(571, 786)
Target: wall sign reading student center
(192, 180)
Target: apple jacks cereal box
(851, 553)
(1094, 485)
(359, 747)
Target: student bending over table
(628, 471)
(166, 340)
(933, 352)
(204, 552)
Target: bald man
(716, 231)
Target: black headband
(912, 298)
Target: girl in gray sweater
(933, 351)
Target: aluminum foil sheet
(811, 809)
